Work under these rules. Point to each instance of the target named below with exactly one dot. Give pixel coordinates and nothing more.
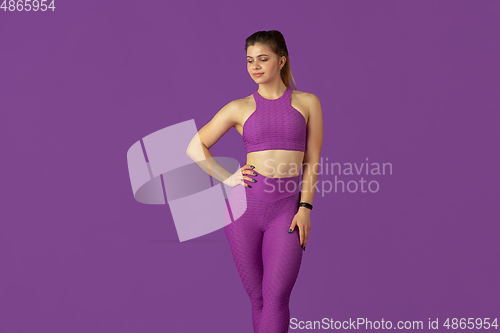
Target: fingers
(302, 236)
(248, 166)
(303, 232)
(245, 184)
(247, 170)
(292, 226)
(306, 236)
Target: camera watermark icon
(161, 172)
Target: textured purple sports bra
(275, 124)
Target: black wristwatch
(305, 204)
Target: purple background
(415, 84)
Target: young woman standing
(282, 132)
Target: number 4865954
(27, 5)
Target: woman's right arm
(208, 135)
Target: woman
(282, 131)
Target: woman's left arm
(310, 168)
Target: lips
(258, 74)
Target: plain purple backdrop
(415, 84)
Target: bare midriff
(276, 163)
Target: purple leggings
(267, 256)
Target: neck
(272, 91)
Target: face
(260, 59)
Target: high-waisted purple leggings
(267, 256)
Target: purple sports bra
(275, 124)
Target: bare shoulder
(232, 109)
(243, 107)
(310, 100)
(245, 101)
(228, 116)
(238, 104)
